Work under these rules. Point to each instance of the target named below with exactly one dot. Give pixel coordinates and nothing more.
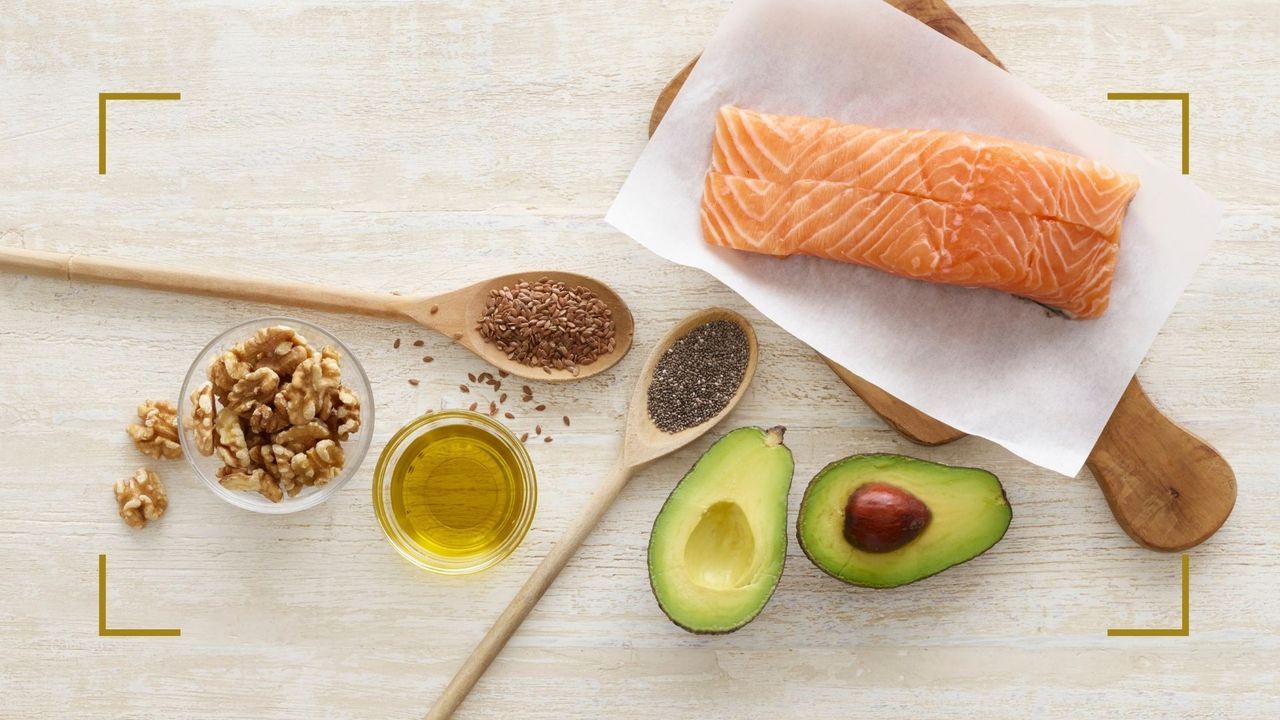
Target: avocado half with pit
(719, 542)
(887, 520)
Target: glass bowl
(354, 448)
(402, 539)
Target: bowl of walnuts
(276, 415)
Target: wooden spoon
(453, 314)
(642, 443)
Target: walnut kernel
(156, 433)
(141, 498)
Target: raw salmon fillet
(951, 208)
(1059, 264)
(949, 166)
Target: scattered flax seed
(548, 324)
(537, 429)
(502, 398)
(526, 398)
(497, 384)
(503, 373)
(540, 408)
(464, 388)
(526, 390)
(396, 344)
(493, 408)
(509, 416)
(566, 421)
(524, 437)
(419, 343)
(435, 309)
(413, 382)
(546, 439)
(427, 358)
(473, 407)
(471, 377)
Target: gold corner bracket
(103, 97)
(1185, 99)
(1183, 631)
(104, 631)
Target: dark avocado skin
(657, 596)
(831, 465)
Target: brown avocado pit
(881, 518)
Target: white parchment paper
(982, 361)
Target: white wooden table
(421, 146)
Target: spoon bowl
(456, 314)
(644, 440)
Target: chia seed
(697, 376)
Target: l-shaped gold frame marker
(1183, 631)
(102, 118)
(1186, 116)
(104, 631)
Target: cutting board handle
(1168, 489)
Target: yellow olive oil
(457, 491)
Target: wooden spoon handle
(507, 623)
(198, 282)
(1168, 489)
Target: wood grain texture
(417, 147)
(1139, 487)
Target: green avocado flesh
(969, 514)
(719, 542)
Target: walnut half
(156, 432)
(141, 498)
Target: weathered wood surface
(418, 147)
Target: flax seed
(548, 324)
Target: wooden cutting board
(1168, 489)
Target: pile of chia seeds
(697, 376)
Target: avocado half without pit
(719, 542)
(887, 520)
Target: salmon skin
(953, 208)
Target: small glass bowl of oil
(455, 492)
